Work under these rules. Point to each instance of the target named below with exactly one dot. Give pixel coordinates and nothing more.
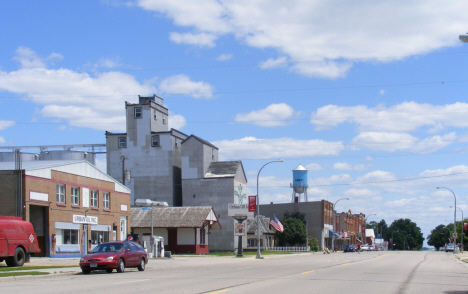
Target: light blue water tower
(299, 184)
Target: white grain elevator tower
(299, 184)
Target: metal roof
(264, 225)
(43, 168)
(174, 217)
(218, 169)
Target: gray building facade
(147, 158)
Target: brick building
(58, 197)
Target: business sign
(465, 226)
(239, 229)
(83, 219)
(252, 203)
(239, 210)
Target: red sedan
(114, 255)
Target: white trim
(38, 196)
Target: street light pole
(381, 230)
(461, 235)
(334, 227)
(404, 241)
(454, 211)
(258, 209)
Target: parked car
(371, 248)
(365, 247)
(350, 248)
(378, 248)
(449, 247)
(114, 255)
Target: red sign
(252, 203)
(465, 226)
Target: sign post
(239, 212)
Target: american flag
(275, 223)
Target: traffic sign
(455, 235)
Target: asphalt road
(369, 272)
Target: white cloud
(360, 193)
(176, 121)
(5, 124)
(404, 117)
(273, 116)
(77, 98)
(342, 166)
(202, 40)
(392, 142)
(322, 38)
(273, 63)
(224, 57)
(2, 140)
(382, 92)
(181, 84)
(377, 176)
(30, 59)
(254, 148)
(313, 166)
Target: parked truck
(17, 240)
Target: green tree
(406, 233)
(439, 236)
(296, 214)
(294, 233)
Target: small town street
(379, 272)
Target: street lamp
(151, 203)
(381, 230)
(404, 241)
(461, 235)
(454, 211)
(334, 227)
(463, 38)
(258, 209)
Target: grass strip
(13, 274)
(25, 268)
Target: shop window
(98, 237)
(69, 236)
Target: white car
(371, 248)
(365, 247)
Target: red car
(114, 255)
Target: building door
(38, 218)
(123, 228)
(172, 238)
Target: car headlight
(82, 259)
(110, 258)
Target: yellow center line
(383, 255)
(221, 291)
(308, 272)
(345, 263)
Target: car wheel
(109, 270)
(86, 271)
(141, 267)
(19, 257)
(121, 266)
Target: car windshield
(108, 247)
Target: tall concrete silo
(299, 184)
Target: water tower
(299, 184)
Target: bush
(313, 243)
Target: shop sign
(240, 229)
(84, 219)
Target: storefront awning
(331, 233)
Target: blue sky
(369, 96)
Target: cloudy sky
(370, 96)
